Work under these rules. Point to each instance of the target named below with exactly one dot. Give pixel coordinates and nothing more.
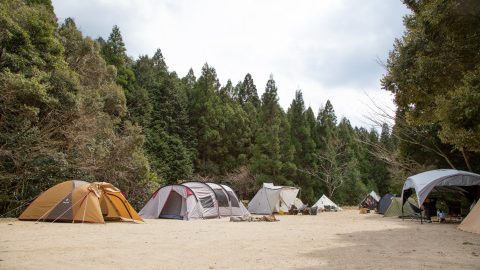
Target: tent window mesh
(233, 199)
(207, 202)
(221, 198)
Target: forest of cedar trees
(73, 107)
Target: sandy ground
(343, 240)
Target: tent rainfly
(384, 203)
(472, 222)
(370, 201)
(324, 202)
(424, 183)
(193, 200)
(410, 208)
(375, 196)
(80, 201)
(273, 199)
(299, 204)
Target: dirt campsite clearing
(342, 240)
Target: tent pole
(421, 216)
(403, 216)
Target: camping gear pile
(267, 218)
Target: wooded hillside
(76, 108)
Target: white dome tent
(273, 199)
(325, 202)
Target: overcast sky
(328, 49)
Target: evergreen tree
(326, 123)
(114, 51)
(248, 92)
(266, 161)
(204, 118)
(353, 188)
(303, 145)
(168, 132)
(227, 91)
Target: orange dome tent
(80, 201)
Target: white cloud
(326, 48)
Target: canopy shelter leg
(421, 217)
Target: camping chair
(302, 207)
(306, 211)
(330, 208)
(417, 210)
(313, 210)
(293, 210)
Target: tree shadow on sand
(427, 246)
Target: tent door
(173, 206)
(113, 208)
(63, 210)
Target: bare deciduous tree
(331, 167)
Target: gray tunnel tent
(228, 202)
(207, 197)
(175, 202)
(193, 200)
(442, 180)
(236, 206)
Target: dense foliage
(76, 108)
(434, 74)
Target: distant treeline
(76, 108)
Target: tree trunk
(467, 161)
